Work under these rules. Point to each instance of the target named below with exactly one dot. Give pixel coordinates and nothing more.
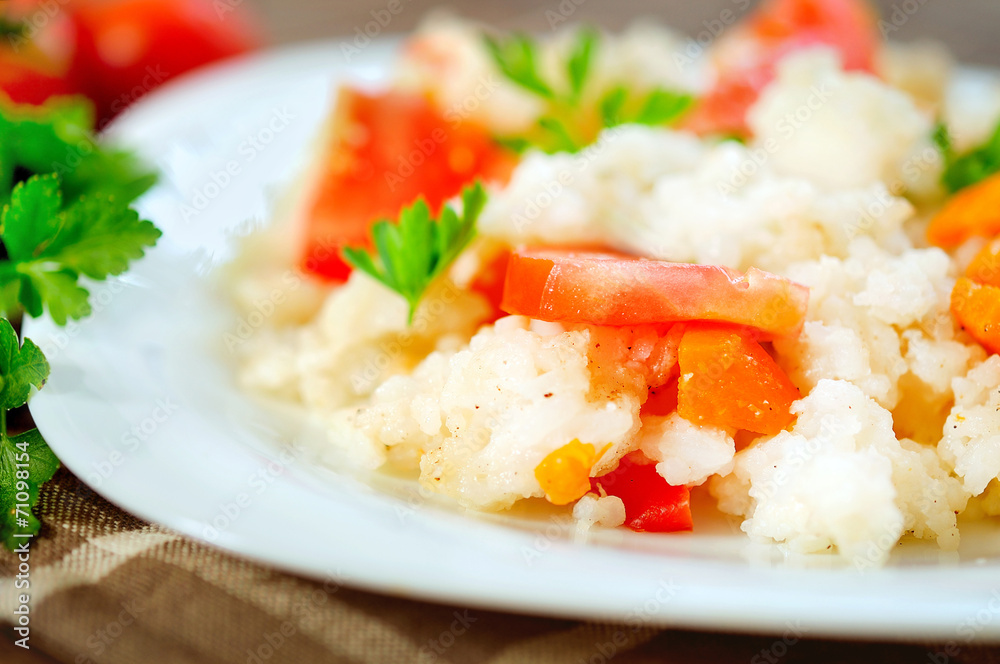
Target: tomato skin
(125, 48)
(651, 505)
(386, 150)
(746, 57)
(617, 290)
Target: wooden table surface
(970, 28)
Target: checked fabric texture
(109, 588)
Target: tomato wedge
(386, 150)
(617, 290)
(746, 56)
(651, 505)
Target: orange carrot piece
(972, 211)
(977, 309)
(729, 380)
(985, 267)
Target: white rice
(898, 427)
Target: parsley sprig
(49, 247)
(570, 122)
(64, 216)
(58, 137)
(408, 256)
(961, 171)
(26, 462)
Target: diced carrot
(985, 267)
(971, 212)
(565, 473)
(729, 380)
(976, 307)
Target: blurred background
(969, 27)
(115, 51)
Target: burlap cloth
(109, 588)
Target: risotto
(759, 269)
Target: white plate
(142, 406)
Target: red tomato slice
(651, 505)
(617, 290)
(125, 48)
(746, 56)
(386, 150)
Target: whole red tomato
(34, 52)
(125, 48)
(28, 77)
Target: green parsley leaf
(970, 168)
(611, 106)
(26, 462)
(580, 59)
(64, 214)
(21, 367)
(417, 250)
(57, 137)
(659, 107)
(517, 58)
(25, 452)
(663, 107)
(49, 247)
(559, 138)
(569, 123)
